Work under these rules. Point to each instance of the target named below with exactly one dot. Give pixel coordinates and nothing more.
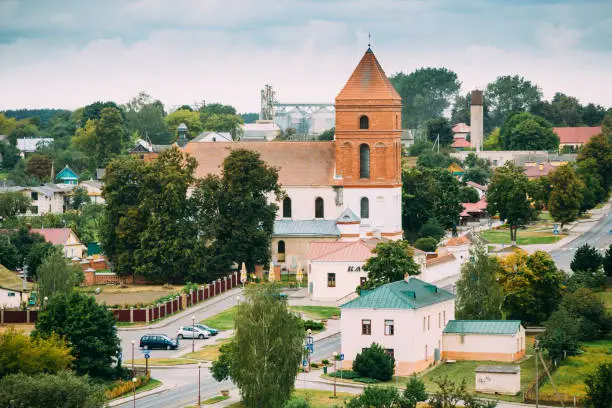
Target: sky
(69, 53)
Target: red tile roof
(461, 128)
(458, 241)
(368, 82)
(576, 135)
(56, 236)
(479, 206)
(300, 163)
(440, 259)
(460, 143)
(539, 170)
(340, 251)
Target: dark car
(158, 341)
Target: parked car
(213, 332)
(158, 341)
(189, 332)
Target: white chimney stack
(476, 121)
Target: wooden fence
(550, 397)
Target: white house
(261, 130)
(12, 298)
(48, 198)
(31, 144)
(94, 190)
(335, 269)
(406, 318)
(498, 379)
(485, 340)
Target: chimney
(476, 120)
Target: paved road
(599, 236)
(203, 311)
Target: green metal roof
(482, 326)
(413, 294)
(67, 174)
(305, 228)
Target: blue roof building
(67, 176)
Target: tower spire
(369, 40)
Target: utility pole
(537, 379)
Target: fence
(550, 397)
(146, 314)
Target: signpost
(147, 355)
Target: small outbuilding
(483, 340)
(498, 379)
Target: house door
(310, 288)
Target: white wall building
(498, 379)
(406, 318)
(12, 298)
(48, 198)
(94, 190)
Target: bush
(414, 392)
(314, 365)
(346, 374)
(373, 362)
(325, 361)
(599, 391)
(432, 228)
(123, 387)
(366, 380)
(586, 279)
(376, 397)
(297, 402)
(312, 325)
(586, 258)
(427, 244)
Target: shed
(498, 379)
(483, 340)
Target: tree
(20, 353)
(39, 166)
(146, 116)
(95, 110)
(9, 257)
(461, 112)
(391, 262)
(599, 392)
(450, 394)
(607, 261)
(525, 131)
(10, 155)
(509, 94)
(266, 350)
(427, 244)
(592, 192)
(65, 389)
(189, 118)
(432, 228)
(588, 308)
(56, 276)
(85, 137)
(532, 286)
(566, 195)
(599, 148)
(328, 134)
(374, 362)
(477, 175)
(7, 125)
(111, 135)
(379, 397)
(426, 93)
(414, 392)
(508, 195)
(207, 110)
(433, 160)
(586, 258)
(35, 256)
(468, 194)
(479, 293)
(592, 115)
(492, 141)
(562, 334)
(88, 327)
(79, 198)
(440, 129)
(13, 203)
(23, 240)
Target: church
(342, 190)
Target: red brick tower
(368, 128)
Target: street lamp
(133, 344)
(335, 354)
(199, 386)
(45, 300)
(134, 389)
(193, 334)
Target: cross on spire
(369, 39)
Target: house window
(364, 122)
(281, 251)
(366, 327)
(389, 328)
(319, 209)
(428, 321)
(397, 126)
(424, 322)
(287, 207)
(425, 352)
(364, 161)
(34, 196)
(444, 316)
(390, 352)
(439, 321)
(362, 280)
(365, 208)
(11, 294)
(331, 280)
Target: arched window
(281, 251)
(365, 208)
(364, 122)
(287, 207)
(319, 211)
(364, 161)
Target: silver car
(189, 332)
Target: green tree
(10, 155)
(477, 175)
(432, 228)
(379, 397)
(592, 115)
(7, 124)
(427, 244)
(207, 110)
(598, 390)
(88, 327)
(328, 134)
(491, 142)
(440, 129)
(562, 334)
(20, 353)
(509, 94)
(266, 350)
(426, 93)
(23, 240)
(9, 257)
(414, 392)
(111, 135)
(433, 160)
(85, 137)
(56, 276)
(525, 131)
(566, 195)
(225, 123)
(23, 129)
(586, 258)
(479, 293)
(390, 262)
(189, 118)
(146, 116)
(599, 148)
(592, 192)
(39, 166)
(468, 194)
(507, 196)
(65, 389)
(607, 261)
(13, 203)
(95, 110)
(35, 256)
(461, 109)
(79, 198)
(589, 308)
(374, 362)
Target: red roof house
(576, 136)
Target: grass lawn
(569, 376)
(545, 217)
(606, 297)
(214, 400)
(208, 353)
(317, 398)
(524, 237)
(317, 312)
(10, 280)
(223, 320)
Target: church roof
(368, 82)
(300, 163)
(340, 251)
